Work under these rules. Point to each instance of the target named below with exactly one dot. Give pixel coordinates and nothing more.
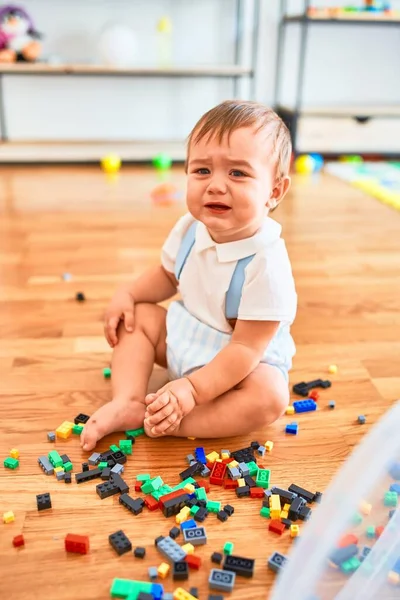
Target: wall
(363, 60)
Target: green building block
(263, 477)
(213, 506)
(114, 448)
(228, 548)
(164, 489)
(357, 519)
(265, 512)
(134, 432)
(107, 373)
(68, 466)
(350, 565)
(55, 459)
(11, 463)
(156, 495)
(252, 466)
(77, 429)
(125, 446)
(129, 589)
(201, 493)
(370, 531)
(182, 484)
(194, 510)
(102, 465)
(143, 477)
(147, 487)
(390, 499)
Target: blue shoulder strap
(185, 248)
(234, 293)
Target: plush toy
(18, 37)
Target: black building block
(81, 419)
(286, 496)
(43, 501)
(139, 552)
(105, 474)
(134, 506)
(67, 478)
(65, 458)
(197, 467)
(222, 516)
(239, 565)
(229, 510)
(250, 481)
(295, 507)
(201, 515)
(87, 475)
(305, 513)
(107, 489)
(243, 491)
(174, 532)
(308, 496)
(180, 571)
(303, 388)
(120, 542)
(117, 479)
(118, 457)
(216, 557)
(85, 466)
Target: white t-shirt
(268, 292)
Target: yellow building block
(58, 469)
(224, 455)
(188, 548)
(64, 430)
(163, 570)
(183, 515)
(393, 578)
(286, 507)
(275, 514)
(241, 482)
(191, 438)
(8, 517)
(14, 453)
(212, 457)
(189, 488)
(290, 410)
(284, 514)
(275, 502)
(365, 508)
(181, 594)
(269, 445)
(234, 463)
(294, 531)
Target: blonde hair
(230, 115)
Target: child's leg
(257, 401)
(132, 363)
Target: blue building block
(157, 591)
(171, 550)
(301, 406)
(221, 580)
(292, 428)
(396, 567)
(361, 419)
(276, 562)
(394, 471)
(395, 487)
(189, 524)
(364, 553)
(332, 404)
(200, 455)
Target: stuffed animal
(18, 37)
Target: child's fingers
(158, 403)
(171, 421)
(160, 415)
(110, 331)
(149, 398)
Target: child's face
(232, 183)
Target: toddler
(226, 343)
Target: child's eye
(237, 173)
(202, 171)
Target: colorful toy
(165, 194)
(111, 164)
(18, 36)
(304, 164)
(162, 162)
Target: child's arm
(234, 362)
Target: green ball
(162, 162)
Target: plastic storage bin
(356, 505)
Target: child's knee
(274, 402)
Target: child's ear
(278, 192)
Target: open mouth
(217, 207)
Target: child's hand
(121, 308)
(168, 406)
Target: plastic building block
(106, 372)
(51, 436)
(294, 530)
(163, 570)
(212, 457)
(188, 548)
(118, 481)
(228, 548)
(239, 565)
(276, 562)
(394, 471)
(390, 499)
(301, 406)
(350, 565)
(139, 552)
(303, 388)
(94, 459)
(60, 474)
(341, 555)
(134, 506)
(276, 526)
(174, 532)
(114, 448)
(120, 542)
(218, 473)
(46, 465)
(365, 508)
(292, 428)
(87, 475)
(170, 549)
(200, 455)
(222, 516)
(152, 572)
(126, 446)
(290, 410)
(314, 395)
(55, 459)
(181, 594)
(64, 431)
(67, 478)
(361, 419)
(102, 465)
(305, 494)
(118, 469)
(11, 463)
(332, 369)
(269, 445)
(215, 597)
(188, 524)
(261, 450)
(77, 429)
(133, 433)
(193, 561)
(144, 596)
(180, 571)
(332, 404)
(18, 541)
(107, 489)
(194, 591)
(80, 297)
(14, 453)
(304, 513)
(242, 492)
(216, 557)
(65, 458)
(68, 466)
(43, 501)
(8, 517)
(221, 580)
(265, 512)
(196, 536)
(81, 419)
(287, 522)
(78, 544)
(263, 477)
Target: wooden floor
(344, 248)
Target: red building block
(138, 486)
(78, 544)
(314, 395)
(379, 530)
(347, 540)
(256, 492)
(18, 541)
(193, 561)
(218, 473)
(276, 526)
(230, 484)
(170, 496)
(204, 484)
(226, 461)
(151, 503)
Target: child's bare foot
(117, 415)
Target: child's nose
(217, 185)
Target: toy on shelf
(19, 40)
(165, 194)
(372, 10)
(308, 163)
(111, 164)
(164, 42)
